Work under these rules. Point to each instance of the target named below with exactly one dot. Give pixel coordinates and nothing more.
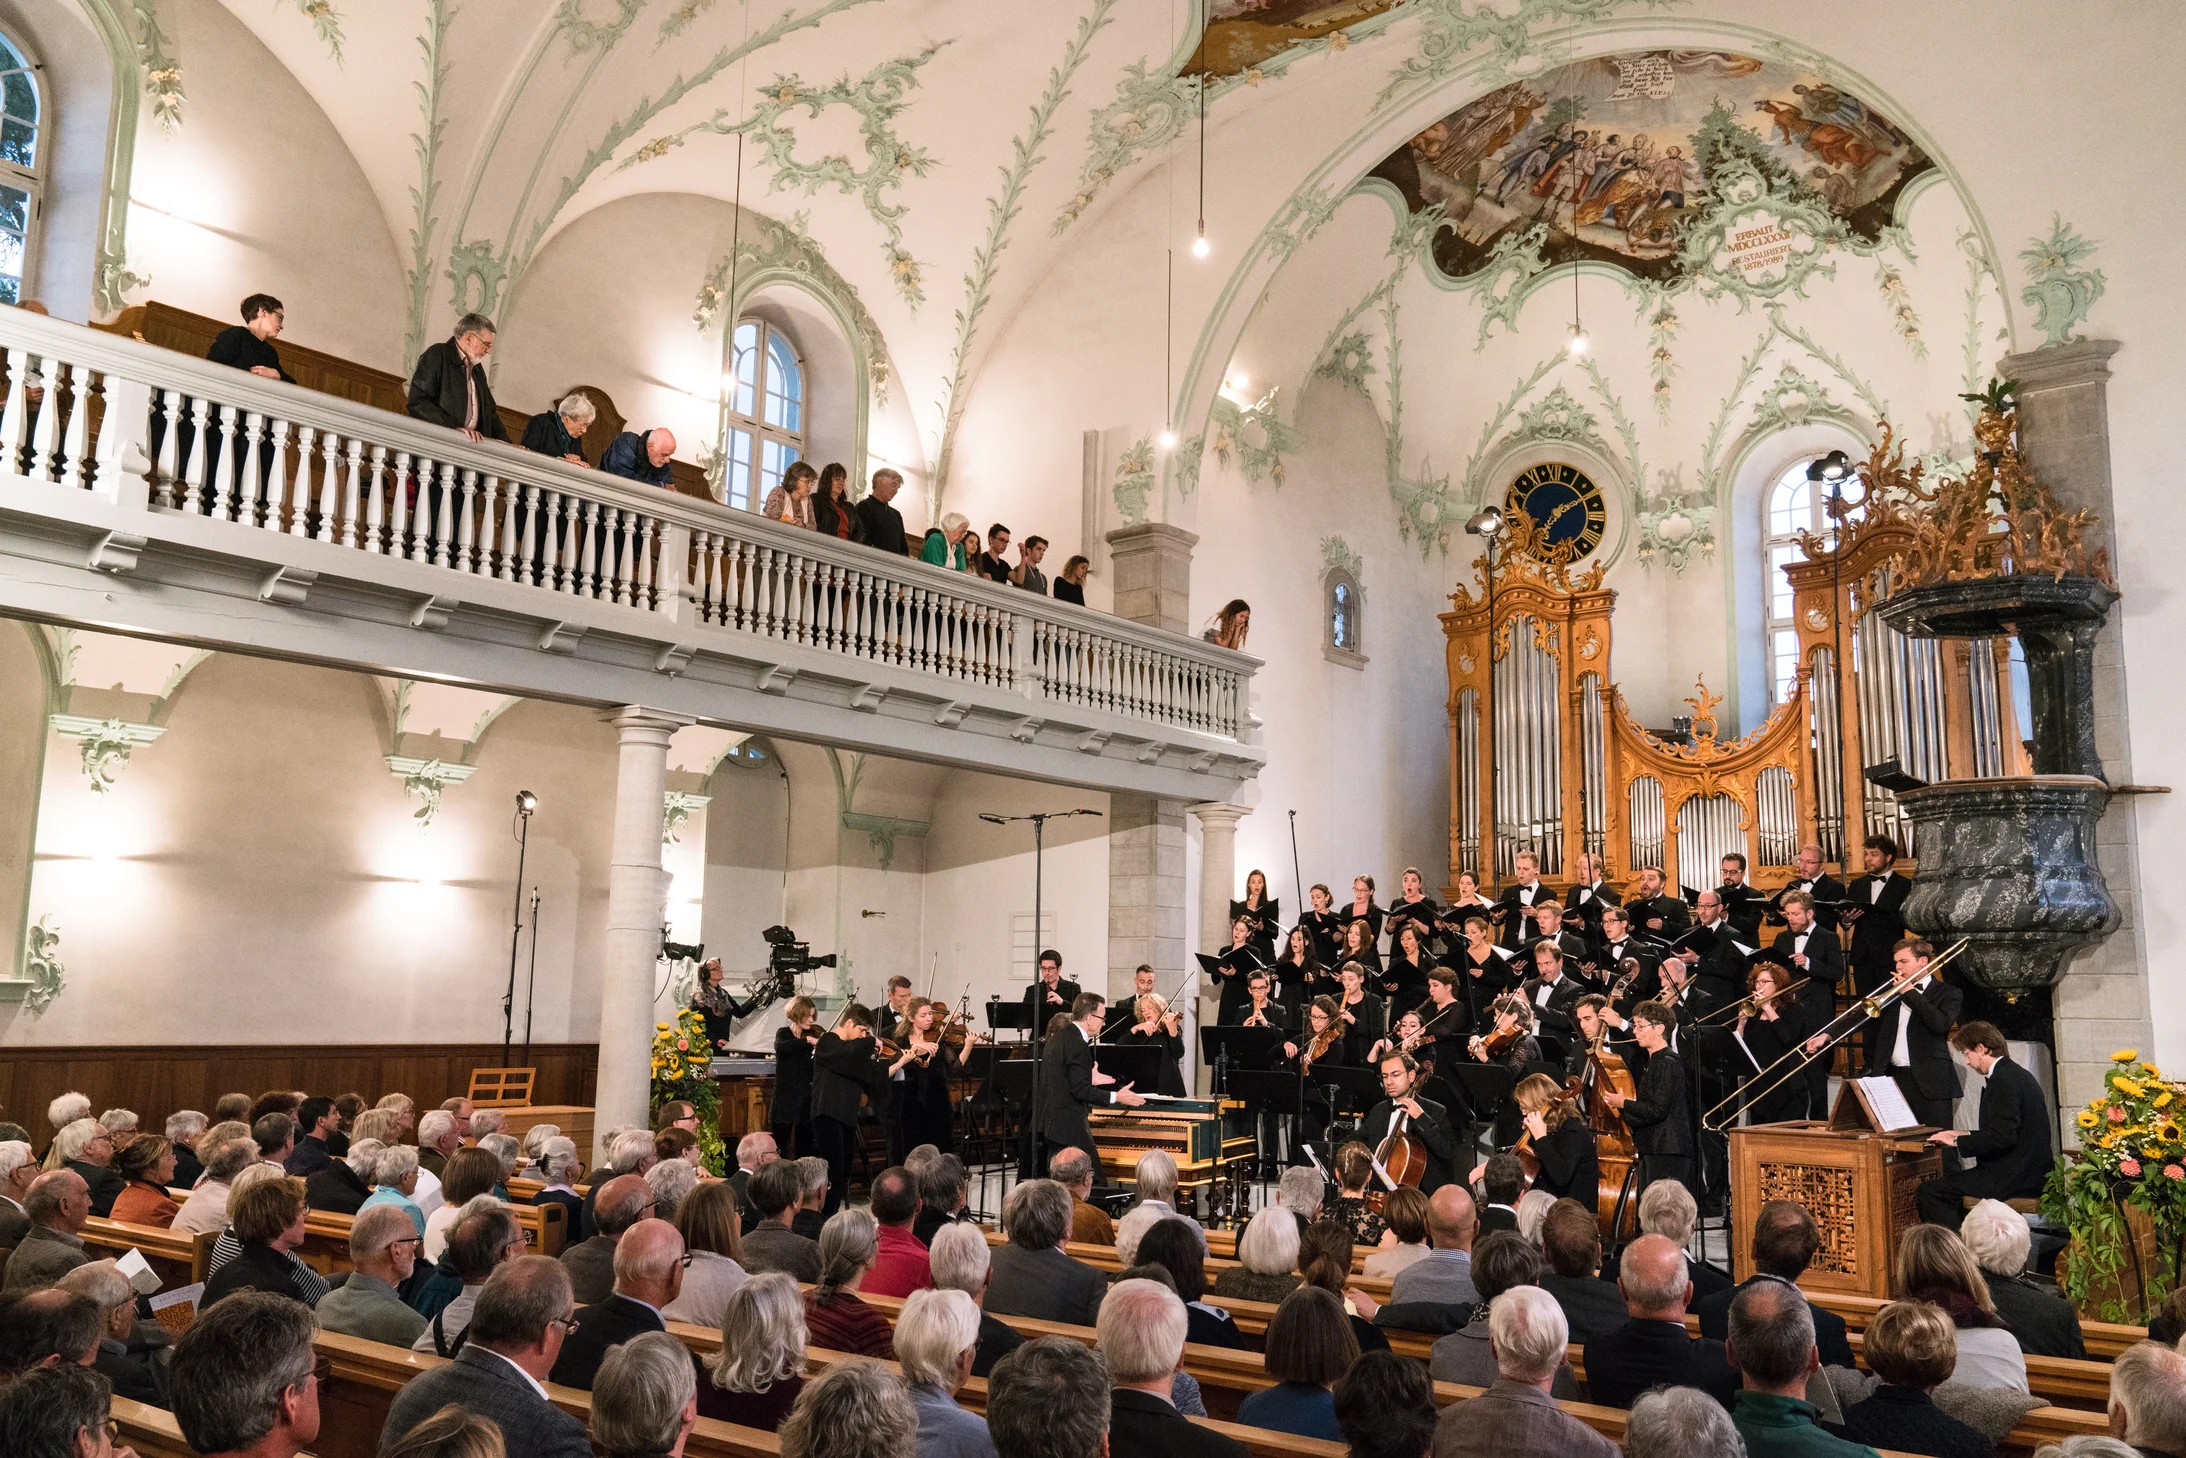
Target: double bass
(1612, 1139)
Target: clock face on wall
(1564, 504)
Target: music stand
(1265, 1091)
(1137, 1064)
(981, 1062)
(1230, 1048)
(1487, 1088)
(1014, 1079)
(1007, 1013)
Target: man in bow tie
(1874, 904)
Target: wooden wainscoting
(156, 1081)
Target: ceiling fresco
(1243, 33)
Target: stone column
(637, 896)
(2064, 428)
(1153, 568)
(1217, 878)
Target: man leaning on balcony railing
(449, 387)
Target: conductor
(1404, 1112)
(1070, 1084)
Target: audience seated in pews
(1933, 1265)
(533, 1146)
(1533, 1208)
(57, 1206)
(1073, 1169)
(316, 1122)
(233, 1108)
(1785, 1239)
(206, 1211)
(2039, 1317)
(902, 1264)
(2148, 1400)
(675, 1146)
(121, 1125)
(1177, 1246)
(1571, 1242)
(629, 1152)
(1300, 1192)
(1405, 1213)
(347, 1108)
(18, 1167)
(960, 1260)
(670, 1183)
(265, 1225)
(1912, 1348)
(942, 1192)
(753, 1150)
(449, 386)
(249, 345)
(1516, 1417)
(276, 1136)
(246, 1380)
(346, 1183)
(516, 1333)
(395, 1178)
(834, 1315)
(132, 1354)
(61, 1113)
(87, 1149)
(1502, 1181)
(713, 1268)
(641, 457)
(1772, 1347)
(450, 1433)
(756, 1376)
(402, 1106)
(1652, 1347)
(1324, 1260)
(274, 1101)
(1444, 1276)
(560, 1168)
(645, 1399)
(485, 1237)
(1267, 1256)
(1142, 1332)
(648, 1274)
(777, 1192)
(854, 1410)
(1309, 1346)
(937, 1339)
(1668, 1209)
(1502, 1261)
(1680, 1422)
(184, 1128)
(438, 1137)
(507, 1157)
(811, 1216)
(1385, 1407)
(1032, 1276)
(58, 1412)
(1354, 1172)
(1184, 1390)
(44, 1328)
(383, 1251)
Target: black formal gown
(790, 1120)
(1237, 965)
(1372, 916)
(1420, 913)
(924, 1110)
(1326, 930)
(1370, 1021)
(1769, 1041)
(1170, 1080)
(1404, 983)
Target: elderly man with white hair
(86, 1147)
(1142, 1327)
(1516, 1418)
(132, 1354)
(18, 1167)
(206, 1211)
(937, 1340)
(629, 1152)
(438, 1136)
(61, 1113)
(2035, 1310)
(560, 431)
(753, 1150)
(1681, 1422)
(488, 1121)
(2148, 1399)
(1301, 1192)
(383, 1249)
(184, 1128)
(960, 1261)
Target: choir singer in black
(1403, 1112)
(1875, 905)
(2013, 1142)
(1070, 1085)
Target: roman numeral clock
(1564, 504)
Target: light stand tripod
(526, 802)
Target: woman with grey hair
(206, 1211)
(1267, 1255)
(560, 432)
(754, 1379)
(671, 1182)
(61, 1113)
(1680, 1422)
(959, 1261)
(2038, 1314)
(835, 1317)
(856, 1410)
(937, 1338)
(535, 1139)
(394, 1181)
(561, 1168)
(644, 1398)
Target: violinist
(1049, 994)
(1260, 1010)
(1770, 1025)
(1299, 973)
(1264, 912)
(1488, 969)
(1589, 895)
(1362, 910)
(1813, 952)
(1520, 898)
(1443, 1019)
(1658, 1113)
(923, 1111)
(1158, 1025)
(1510, 1040)
(790, 1117)
(1322, 924)
(1565, 1161)
(1233, 968)
(1403, 1037)
(844, 1070)
(1320, 1046)
(1365, 1017)
(1414, 906)
(1358, 946)
(1550, 993)
(1402, 1113)
(1124, 1013)
(1404, 980)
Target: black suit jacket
(106, 1186)
(1435, 1135)
(1672, 911)
(1494, 1218)
(1824, 887)
(1518, 926)
(336, 1188)
(843, 1069)
(1824, 969)
(1040, 1009)
(607, 1324)
(437, 394)
(1879, 926)
(1554, 1015)
(1660, 1117)
(2013, 1142)
(1927, 1043)
(482, 1382)
(1067, 1090)
(1714, 1311)
(1141, 1425)
(1592, 1306)
(1644, 1354)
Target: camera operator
(720, 1007)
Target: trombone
(1749, 1004)
(1867, 1008)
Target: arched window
(1342, 616)
(1795, 505)
(766, 413)
(20, 200)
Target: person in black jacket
(1552, 994)
(1655, 913)
(2012, 1144)
(1785, 1239)
(1423, 1119)
(846, 1069)
(249, 345)
(883, 523)
(1515, 906)
(1875, 905)
(2039, 1315)
(1910, 1040)
(1652, 1349)
(1657, 1113)
(1049, 994)
(449, 387)
(1814, 954)
(790, 1118)
(1911, 1346)
(1069, 1083)
(560, 432)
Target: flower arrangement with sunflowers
(681, 1053)
(2132, 1155)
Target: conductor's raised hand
(1127, 1098)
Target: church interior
(1655, 457)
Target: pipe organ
(1546, 757)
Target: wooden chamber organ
(1201, 1135)
(1545, 755)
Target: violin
(1318, 1048)
(1508, 1031)
(1569, 1098)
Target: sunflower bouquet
(681, 1054)
(2132, 1157)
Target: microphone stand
(531, 984)
(525, 804)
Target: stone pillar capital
(636, 724)
(1151, 567)
(1213, 814)
(2057, 365)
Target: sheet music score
(1887, 1101)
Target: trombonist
(1910, 1039)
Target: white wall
(77, 89)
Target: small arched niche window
(1342, 618)
(766, 413)
(1795, 505)
(21, 199)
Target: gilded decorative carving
(1826, 1192)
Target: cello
(1612, 1139)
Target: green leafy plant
(681, 1054)
(2132, 1157)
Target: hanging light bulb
(1200, 246)
(1578, 342)
(1168, 440)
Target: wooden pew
(178, 1257)
(326, 1235)
(151, 1431)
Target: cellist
(1402, 1116)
